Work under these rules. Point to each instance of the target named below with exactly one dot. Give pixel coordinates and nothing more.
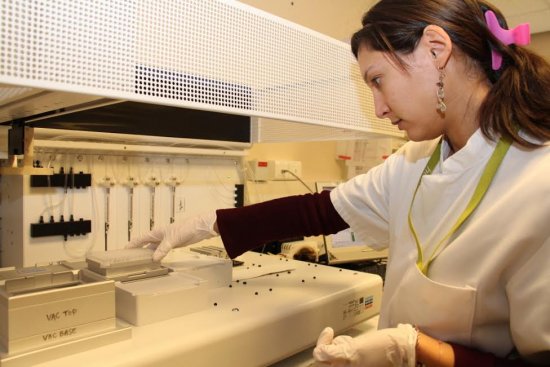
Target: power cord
(299, 179)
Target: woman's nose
(381, 108)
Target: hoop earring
(441, 106)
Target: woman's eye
(375, 81)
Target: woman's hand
(382, 348)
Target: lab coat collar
(477, 148)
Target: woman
(463, 207)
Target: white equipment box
(146, 291)
(155, 299)
(46, 311)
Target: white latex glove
(381, 348)
(191, 230)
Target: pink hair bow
(521, 36)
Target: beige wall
(540, 43)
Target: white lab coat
(490, 286)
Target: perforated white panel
(206, 54)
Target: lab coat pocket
(442, 311)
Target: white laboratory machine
(203, 311)
(119, 117)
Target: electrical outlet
(295, 167)
(275, 170)
(285, 170)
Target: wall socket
(275, 170)
(279, 168)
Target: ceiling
(535, 12)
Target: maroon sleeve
(467, 357)
(249, 227)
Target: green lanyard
(481, 188)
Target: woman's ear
(438, 43)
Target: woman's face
(407, 97)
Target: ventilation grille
(207, 54)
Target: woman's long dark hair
(519, 98)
